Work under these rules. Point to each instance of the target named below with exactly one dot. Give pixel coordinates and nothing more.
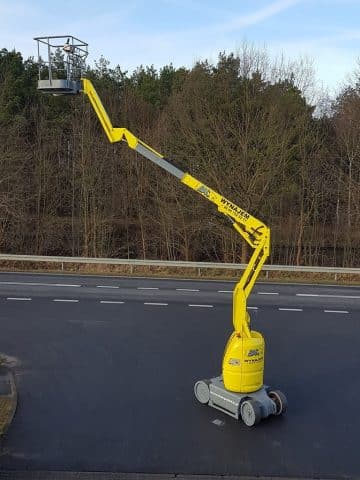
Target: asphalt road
(106, 368)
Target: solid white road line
(336, 311)
(40, 284)
(156, 304)
(18, 298)
(110, 301)
(201, 306)
(291, 309)
(326, 296)
(70, 300)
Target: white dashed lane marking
(225, 291)
(106, 286)
(147, 288)
(18, 298)
(119, 302)
(291, 309)
(157, 304)
(187, 290)
(69, 300)
(110, 301)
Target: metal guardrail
(170, 263)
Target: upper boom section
(255, 232)
(60, 75)
(251, 229)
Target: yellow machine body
(243, 363)
(239, 390)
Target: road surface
(106, 367)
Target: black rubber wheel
(280, 401)
(250, 411)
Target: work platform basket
(61, 61)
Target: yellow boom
(255, 232)
(239, 390)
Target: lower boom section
(250, 407)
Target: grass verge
(175, 272)
(8, 397)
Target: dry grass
(8, 399)
(7, 408)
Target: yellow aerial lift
(239, 391)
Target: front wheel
(250, 412)
(280, 401)
(202, 391)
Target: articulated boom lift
(239, 391)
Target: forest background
(254, 129)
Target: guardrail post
(336, 277)
(62, 266)
(267, 274)
(199, 272)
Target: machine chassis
(251, 407)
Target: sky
(159, 32)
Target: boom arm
(256, 233)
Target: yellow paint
(243, 361)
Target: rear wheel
(202, 391)
(250, 412)
(280, 401)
